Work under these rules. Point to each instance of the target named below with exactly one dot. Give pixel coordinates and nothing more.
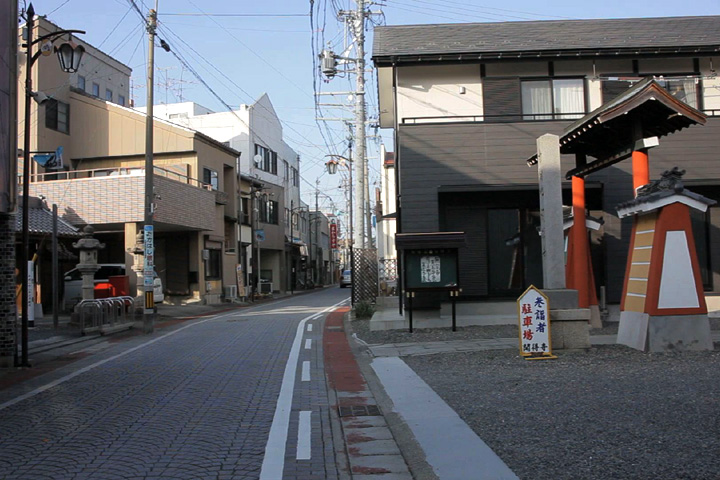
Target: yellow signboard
(534, 325)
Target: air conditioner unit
(230, 292)
(266, 287)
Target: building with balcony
(466, 103)
(102, 181)
(256, 132)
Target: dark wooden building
(467, 102)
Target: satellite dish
(257, 159)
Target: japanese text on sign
(534, 322)
(430, 269)
(149, 260)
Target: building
(256, 132)
(468, 101)
(102, 181)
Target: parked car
(346, 279)
(73, 283)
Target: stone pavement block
(384, 476)
(363, 422)
(375, 464)
(367, 434)
(374, 447)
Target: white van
(73, 283)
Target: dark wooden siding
(473, 257)
(479, 154)
(501, 99)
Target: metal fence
(364, 275)
(387, 277)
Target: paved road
(237, 395)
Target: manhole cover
(360, 411)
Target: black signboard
(431, 269)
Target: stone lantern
(138, 252)
(88, 265)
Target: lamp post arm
(56, 34)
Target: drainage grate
(360, 411)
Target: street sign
(149, 260)
(333, 236)
(260, 235)
(534, 323)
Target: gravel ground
(610, 413)
(362, 329)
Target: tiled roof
(675, 33)
(40, 221)
(649, 197)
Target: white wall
(431, 91)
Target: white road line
(274, 460)
(308, 344)
(74, 374)
(304, 431)
(305, 376)
(316, 316)
(309, 327)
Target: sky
(242, 49)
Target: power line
(282, 15)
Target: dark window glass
(57, 116)
(210, 177)
(213, 269)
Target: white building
(256, 132)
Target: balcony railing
(534, 117)
(114, 172)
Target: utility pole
(317, 235)
(360, 168)
(149, 255)
(355, 20)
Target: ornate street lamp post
(69, 56)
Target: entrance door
(505, 251)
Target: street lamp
(69, 56)
(332, 165)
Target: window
(266, 159)
(287, 170)
(210, 177)
(245, 211)
(121, 100)
(295, 178)
(269, 212)
(212, 265)
(553, 99)
(57, 116)
(684, 89)
(96, 90)
(81, 82)
(108, 95)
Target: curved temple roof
(610, 132)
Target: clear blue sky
(242, 57)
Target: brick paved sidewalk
(372, 450)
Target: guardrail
(105, 315)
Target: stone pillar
(8, 312)
(138, 266)
(569, 323)
(551, 211)
(88, 265)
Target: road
(239, 395)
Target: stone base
(665, 333)
(569, 325)
(595, 318)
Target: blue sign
(50, 160)
(260, 235)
